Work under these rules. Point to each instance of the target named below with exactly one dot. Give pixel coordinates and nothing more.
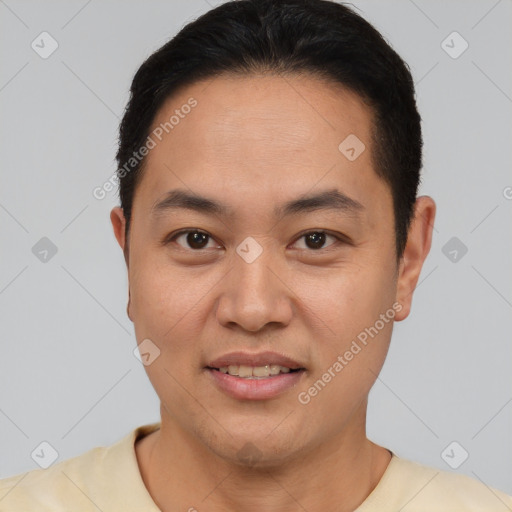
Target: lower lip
(255, 389)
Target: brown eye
(193, 239)
(315, 240)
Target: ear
(119, 224)
(416, 250)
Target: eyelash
(339, 238)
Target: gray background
(67, 372)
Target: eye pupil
(195, 237)
(317, 238)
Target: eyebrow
(331, 199)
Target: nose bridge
(252, 267)
(254, 295)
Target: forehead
(300, 115)
(261, 136)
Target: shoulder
(413, 487)
(87, 482)
(70, 481)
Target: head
(284, 136)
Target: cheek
(168, 306)
(346, 369)
(166, 311)
(355, 339)
(345, 301)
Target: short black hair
(318, 37)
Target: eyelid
(339, 236)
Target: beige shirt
(108, 479)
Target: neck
(337, 474)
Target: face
(295, 295)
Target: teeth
(244, 371)
(248, 372)
(275, 369)
(261, 371)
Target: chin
(255, 450)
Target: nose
(255, 294)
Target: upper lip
(258, 359)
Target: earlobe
(416, 250)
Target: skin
(251, 143)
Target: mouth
(262, 376)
